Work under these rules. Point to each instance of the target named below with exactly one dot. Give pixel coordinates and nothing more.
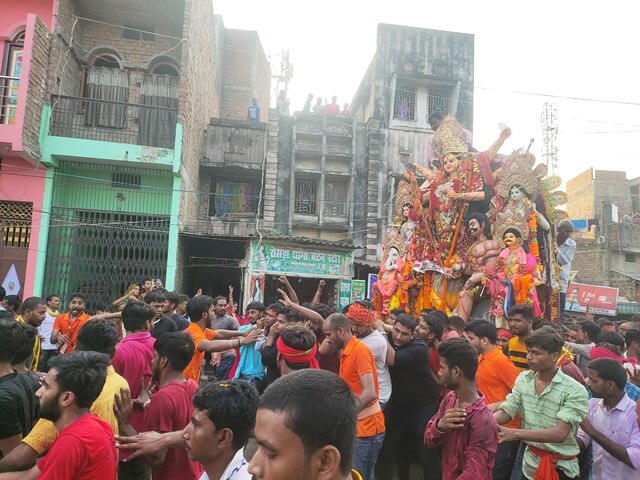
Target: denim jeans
(365, 454)
(224, 367)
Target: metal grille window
(336, 198)
(438, 100)
(404, 104)
(15, 222)
(228, 197)
(306, 202)
(629, 258)
(404, 156)
(125, 180)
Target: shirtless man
(482, 259)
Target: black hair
(135, 315)
(16, 339)
(256, 306)
(98, 336)
(102, 306)
(173, 298)
(610, 370)
(482, 328)
(397, 311)
(198, 306)
(230, 404)
(590, 328)
(83, 373)
(632, 335)
(3, 293)
(14, 301)
(177, 348)
(52, 296)
(457, 352)
(276, 307)
(183, 298)
(218, 298)
(155, 296)
(613, 338)
(291, 315)
(437, 114)
(437, 322)
(323, 309)
(319, 407)
(407, 321)
(483, 220)
(522, 309)
(518, 234)
(31, 303)
(345, 309)
(300, 338)
(545, 338)
(79, 296)
(456, 322)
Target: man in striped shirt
(521, 325)
(552, 406)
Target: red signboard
(602, 300)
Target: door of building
(15, 226)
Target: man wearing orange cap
(361, 316)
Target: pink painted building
(24, 44)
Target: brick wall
(36, 87)
(199, 96)
(589, 261)
(580, 191)
(64, 73)
(245, 74)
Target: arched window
(107, 84)
(165, 69)
(107, 60)
(10, 79)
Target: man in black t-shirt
(414, 400)
(161, 323)
(18, 405)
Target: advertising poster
(358, 290)
(599, 300)
(344, 294)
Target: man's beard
(50, 410)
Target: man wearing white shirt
(45, 329)
(566, 251)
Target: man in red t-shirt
(85, 449)
(167, 410)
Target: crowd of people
(301, 391)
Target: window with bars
(126, 180)
(15, 223)
(404, 104)
(438, 100)
(629, 258)
(335, 198)
(227, 197)
(306, 200)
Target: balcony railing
(8, 99)
(118, 122)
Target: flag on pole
(11, 282)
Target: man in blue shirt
(253, 112)
(250, 366)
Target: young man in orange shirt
(358, 369)
(201, 311)
(495, 378)
(66, 326)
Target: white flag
(11, 282)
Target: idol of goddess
(389, 277)
(516, 278)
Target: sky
(579, 56)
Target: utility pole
(285, 75)
(549, 118)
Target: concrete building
(610, 254)
(24, 31)
(413, 73)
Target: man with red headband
(297, 349)
(361, 316)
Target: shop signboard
(358, 290)
(372, 278)
(344, 294)
(269, 258)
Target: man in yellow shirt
(33, 309)
(97, 336)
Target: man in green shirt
(552, 406)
